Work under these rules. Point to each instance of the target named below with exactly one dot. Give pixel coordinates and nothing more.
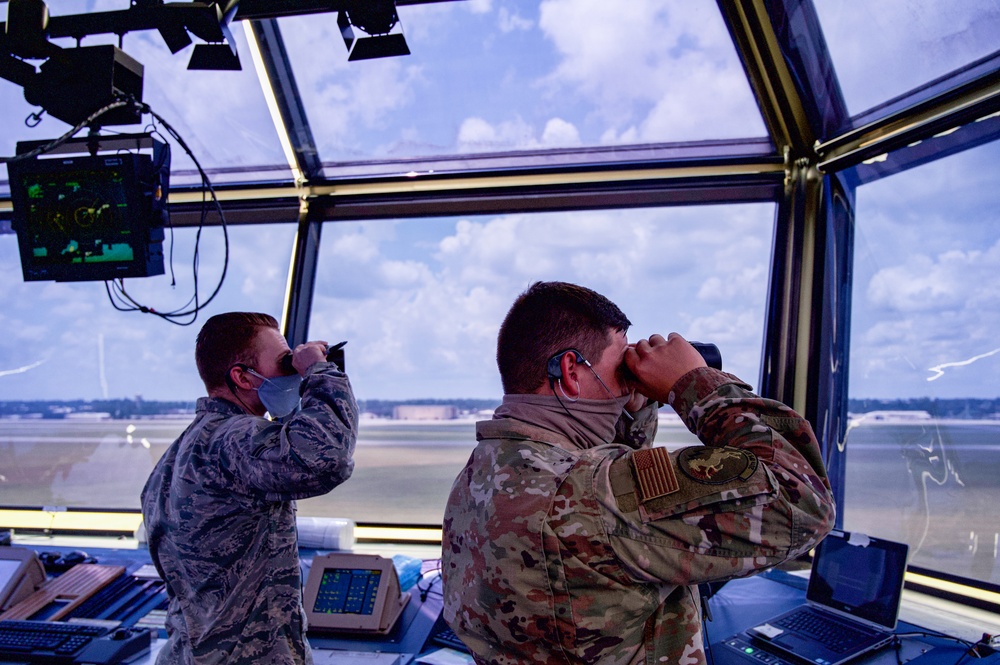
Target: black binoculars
(334, 354)
(710, 352)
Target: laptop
(852, 603)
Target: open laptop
(852, 603)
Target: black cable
(970, 647)
(425, 592)
(934, 633)
(706, 616)
(55, 143)
(190, 309)
(117, 295)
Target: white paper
(446, 657)
(767, 630)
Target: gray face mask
(279, 394)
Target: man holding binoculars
(219, 507)
(568, 538)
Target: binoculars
(710, 352)
(334, 354)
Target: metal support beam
(301, 281)
(790, 291)
(807, 331)
(770, 78)
(291, 122)
(946, 111)
(201, 14)
(829, 359)
(295, 134)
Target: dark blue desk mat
(741, 604)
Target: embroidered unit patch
(654, 473)
(715, 466)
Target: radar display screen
(86, 218)
(347, 591)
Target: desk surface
(742, 604)
(739, 605)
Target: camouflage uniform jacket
(556, 554)
(219, 514)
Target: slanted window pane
(883, 49)
(922, 449)
(503, 76)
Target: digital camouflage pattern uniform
(219, 514)
(556, 554)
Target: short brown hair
(225, 340)
(547, 318)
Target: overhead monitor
(90, 217)
(353, 593)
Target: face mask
(280, 394)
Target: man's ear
(238, 377)
(570, 374)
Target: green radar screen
(79, 217)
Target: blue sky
(420, 300)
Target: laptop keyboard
(835, 635)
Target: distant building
(897, 416)
(88, 415)
(424, 412)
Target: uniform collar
(217, 405)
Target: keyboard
(442, 635)
(836, 635)
(58, 643)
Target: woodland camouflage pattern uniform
(557, 554)
(219, 514)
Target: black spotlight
(371, 29)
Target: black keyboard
(55, 642)
(443, 636)
(835, 635)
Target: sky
(419, 301)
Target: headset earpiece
(229, 376)
(554, 366)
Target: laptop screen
(860, 576)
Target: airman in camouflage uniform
(566, 542)
(219, 510)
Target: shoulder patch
(654, 473)
(715, 466)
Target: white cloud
(344, 98)
(916, 309)
(222, 115)
(476, 131)
(479, 6)
(952, 280)
(559, 133)
(478, 135)
(911, 43)
(722, 288)
(512, 21)
(668, 69)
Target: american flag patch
(654, 472)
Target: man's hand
(658, 363)
(306, 355)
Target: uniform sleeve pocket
(705, 479)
